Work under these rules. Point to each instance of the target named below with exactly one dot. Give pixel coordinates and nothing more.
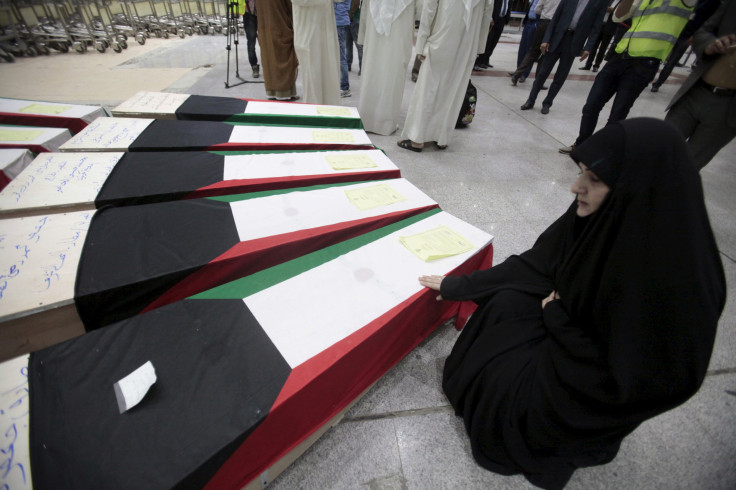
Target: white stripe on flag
(330, 302)
(295, 135)
(301, 210)
(272, 165)
(298, 109)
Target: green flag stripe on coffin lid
(191, 246)
(240, 288)
(295, 120)
(217, 376)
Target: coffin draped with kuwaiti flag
(73, 117)
(132, 134)
(59, 182)
(240, 379)
(161, 105)
(120, 261)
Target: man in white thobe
(316, 46)
(451, 34)
(387, 35)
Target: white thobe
(316, 46)
(451, 34)
(387, 35)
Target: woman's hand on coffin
(432, 282)
(552, 296)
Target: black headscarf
(641, 290)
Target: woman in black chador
(608, 320)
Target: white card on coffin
(160, 105)
(107, 134)
(58, 180)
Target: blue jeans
(625, 77)
(353, 39)
(342, 36)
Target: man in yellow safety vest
(655, 26)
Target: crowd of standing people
(630, 39)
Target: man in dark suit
(574, 22)
(704, 109)
(500, 17)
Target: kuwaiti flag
(48, 114)
(162, 105)
(137, 258)
(245, 372)
(129, 134)
(33, 138)
(56, 182)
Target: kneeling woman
(608, 320)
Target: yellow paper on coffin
(374, 196)
(327, 136)
(350, 161)
(45, 109)
(19, 134)
(333, 111)
(436, 243)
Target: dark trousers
(599, 50)
(677, 51)
(527, 37)
(626, 78)
(533, 54)
(250, 23)
(353, 39)
(493, 36)
(565, 55)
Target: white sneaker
(566, 150)
(345, 93)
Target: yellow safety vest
(655, 26)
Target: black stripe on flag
(134, 254)
(147, 177)
(209, 108)
(165, 135)
(218, 375)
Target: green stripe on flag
(244, 287)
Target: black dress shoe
(514, 79)
(527, 105)
(595, 69)
(545, 109)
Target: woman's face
(591, 191)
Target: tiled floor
(502, 174)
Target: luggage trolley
(100, 30)
(51, 30)
(121, 23)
